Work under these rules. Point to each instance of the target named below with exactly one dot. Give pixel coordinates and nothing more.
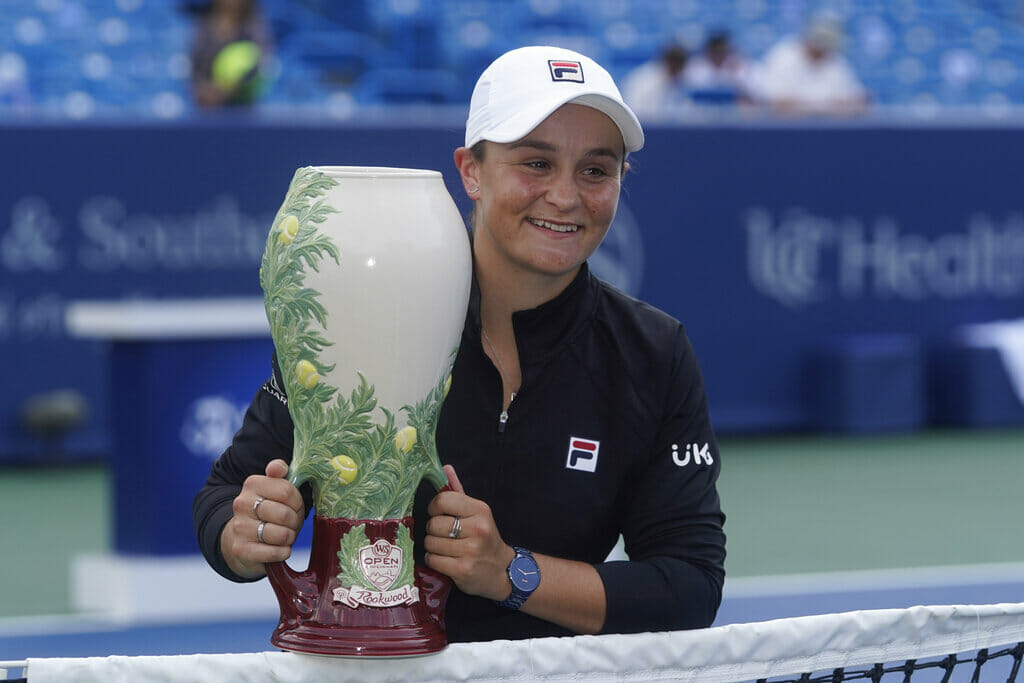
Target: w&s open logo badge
(582, 454)
(381, 563)
(562, 70)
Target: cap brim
(522, 123)
(623, 116)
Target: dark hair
(717, 38)
(674, 56)
(477, 150)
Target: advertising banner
(766, 241)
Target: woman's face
(546, 201)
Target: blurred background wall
(825, 260)
(842, 235)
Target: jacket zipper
(503, 418)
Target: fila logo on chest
(582, 454)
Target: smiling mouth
(556, 227)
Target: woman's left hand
(475, 558)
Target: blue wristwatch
(524, 574)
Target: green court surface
(795, 504)
(813, 504)
(49, 515)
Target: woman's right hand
(281, 510)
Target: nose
(563, 192)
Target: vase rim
(376, 172)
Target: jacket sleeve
(265, 434)
(673, 525)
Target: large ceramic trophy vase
(366, 278)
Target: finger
(441, 546)
(453, 479)
(277, 469)
(256, 507)
(279, 513)
(449, 503)
(274, 535)
(272, 488)
(441, 526)
(244, 545)
(262, 553)
(246, 534)
(269, 509)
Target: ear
(469, 171)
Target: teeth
(557, 227)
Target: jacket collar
(543, 330)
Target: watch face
(524, 573)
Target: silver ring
(456, 528)
(256, 508)
(259, 532)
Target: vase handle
(296, 591)
(436, 587)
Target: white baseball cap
(523, 87)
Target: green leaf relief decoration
(348, 559)
(359, 468)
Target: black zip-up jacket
(609, 434)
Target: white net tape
(737, 652)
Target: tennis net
(949, 643)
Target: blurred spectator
(718, 75)
(14, 89)
(230, 52)
(808, 75)
(656, 87)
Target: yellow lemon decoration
(308, 376)
(447, 386)
(289, 229)
(405, 439)
(345, 467)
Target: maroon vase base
(314, 622)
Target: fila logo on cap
(565, 71)
(582, 454)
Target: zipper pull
(503, 418)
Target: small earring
(473, 190)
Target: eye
(598, 172)
(539, 164)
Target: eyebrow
(548, 147)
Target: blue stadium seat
(340, 54)
(898, 49)
(410, 86)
